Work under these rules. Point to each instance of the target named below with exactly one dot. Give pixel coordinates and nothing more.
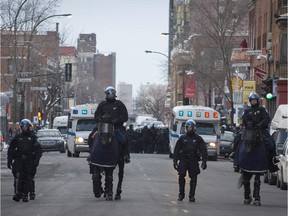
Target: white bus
(207, 126)
(80, 124)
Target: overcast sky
(127, 27)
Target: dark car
(226, 147)
(51, 140)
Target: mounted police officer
(23, 155)
(111, 113)
(251, 154)
(189, 149)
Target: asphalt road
(64, 187)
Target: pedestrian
(255, 149)
(112, 112)
(189, 150)
(23, 155)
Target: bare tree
(151, 100)
(222, 22)
(20, 22)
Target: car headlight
(79, 140)
(212, 144)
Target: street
(64, 187)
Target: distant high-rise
(96, 71)
(124, 93)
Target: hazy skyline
(128, 28)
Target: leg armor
(256, 192)
(18, 187)
(247, 189)
(96, 179)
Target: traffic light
(39, 116)
(267, 88)
(68, 72)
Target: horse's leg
(256, 192)
(109, 182)
(247, 190)
(120, 179)
(96, 178)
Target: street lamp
(15, 72)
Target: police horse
(104, 156)
(253, 156)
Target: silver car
(51, 140)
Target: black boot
(247, 193)
(17, 190)
(193, 183)
(182, 183)
(256, 193)
(31, 187)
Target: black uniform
(189, 149)
(24, 154)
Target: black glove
(36, 163)
(9, 164)
(175, 165)
(236, 169)
(127, 159)
(203, 165)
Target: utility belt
(25, 156)
(190, 154)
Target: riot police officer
(23, 155)
(189, 149)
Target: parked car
(51, 140)
(226, 147)
(1, 141)
(279, 136)
(282, 178)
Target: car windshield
(63, 130)
(282, 135)
(85, 125)
(201, 128)
(46, 133)
(227, 136)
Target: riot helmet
(254, 96)
(110, 93)
(25, 125)
(190, 126)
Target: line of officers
(149, 139)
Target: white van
(207, 126)
(80, 124)
(61, 123)
(280, 119)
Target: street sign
(24, 80)
(35, 120)
(39, 88)
(254, 52)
